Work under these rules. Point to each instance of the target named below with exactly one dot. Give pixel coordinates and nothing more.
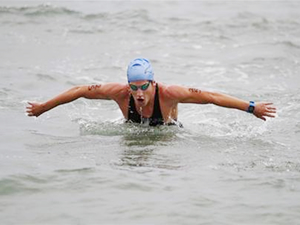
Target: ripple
(36, 11)
(45, 77)
(21, 184)
(79, 170)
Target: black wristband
(251, 107)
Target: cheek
(147, 94)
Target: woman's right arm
(101, 91)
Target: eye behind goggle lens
(145, 86)
(133, 87)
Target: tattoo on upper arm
(94, 87)
(194, 90)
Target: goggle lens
(143, 87)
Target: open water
(80, 164)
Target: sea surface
(81, 164)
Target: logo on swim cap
(139, 69)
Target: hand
(35, 109)
(263, 110)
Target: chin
(141, 103)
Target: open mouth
(140, 100)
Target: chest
(168, 111)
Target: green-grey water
(81, 164)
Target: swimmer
(142, 99)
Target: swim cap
(139, 69)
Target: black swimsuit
(154, 120)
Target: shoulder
(107, 91)
(173, 92)
(116, 90)
(182, 94)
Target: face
(142, 92)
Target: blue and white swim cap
(139, 69)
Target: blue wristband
(251, 107)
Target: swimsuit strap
(156, 118)
(133, 115)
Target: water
(80, 164)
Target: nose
(140, 92)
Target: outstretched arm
(193, 95)
(103, 91)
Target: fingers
(269, 115)
(30, 103)
(264, 111)
(33, 104)
(29, 113)
(269, 105)
(263, 117)
(32, 114)
(29, 109)
(271, 110)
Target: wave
(289, 44)
(20, 184)
(45, 77)
(50, 10)
(119, 127)
(131, 134)
(83, 23)
(40, 10)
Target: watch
(251, 107)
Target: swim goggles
(143, 87)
